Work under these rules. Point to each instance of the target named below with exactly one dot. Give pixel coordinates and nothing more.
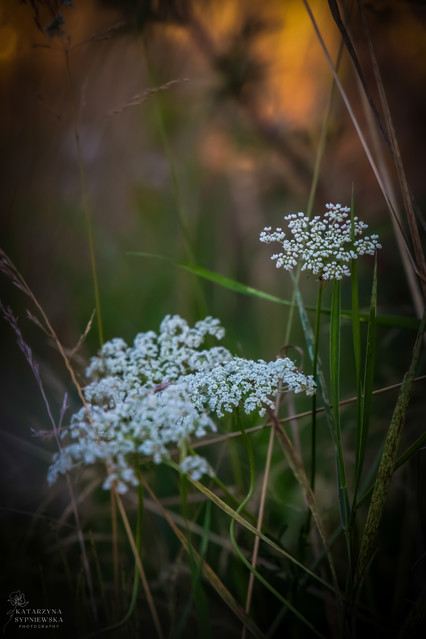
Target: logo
(24, 617)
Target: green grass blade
(395, 321)
(238, 518)
(310, 343)
(217, 278)
(305, 531)
(409, 452)
(335, 339)
(314, 372)
(370, 360)
(387, 462)
(368, 387)
(356, 327)
(415, 446)
(356, 338)
(335, 352)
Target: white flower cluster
(250, 384)
(323, 245)
(154, 396)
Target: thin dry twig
(308, 413)
(208, 573)
(140, 98)
(10, 270)
(12, 321)
(361, 137)
(298, 470)
(138, 562)
(100, 37)
(396, 155)
(82, 338)
(259, 523)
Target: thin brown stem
(259, 526)
(306, 413)
(139, 565)
(299, 472)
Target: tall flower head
(325, 245)
(160, 394)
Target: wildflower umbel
(325, 246)
(161, 393)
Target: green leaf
(310, 342)
(368, 387)
(335, 352)
(335, 398)
(397, 321)
(238, 518)
(356, 328)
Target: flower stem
(314, 396)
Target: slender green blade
(409, 452)
(356, 325)
(241, 520)
(370, 360)
(356, 328)
(415, 446)
(368, 387)
(335, 330)
(398, 321)
(356, 337)
(335, 351)
(310, 342)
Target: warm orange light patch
(8, 34)
(221, 18)
(8, 42)
(218, 153)
(298, 77)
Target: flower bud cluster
(160, 394)
(325, 246)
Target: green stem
(335, 339)
(305, 530)
(314, 397)
(365, 390)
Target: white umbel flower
(160, 394)
(324, 245)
